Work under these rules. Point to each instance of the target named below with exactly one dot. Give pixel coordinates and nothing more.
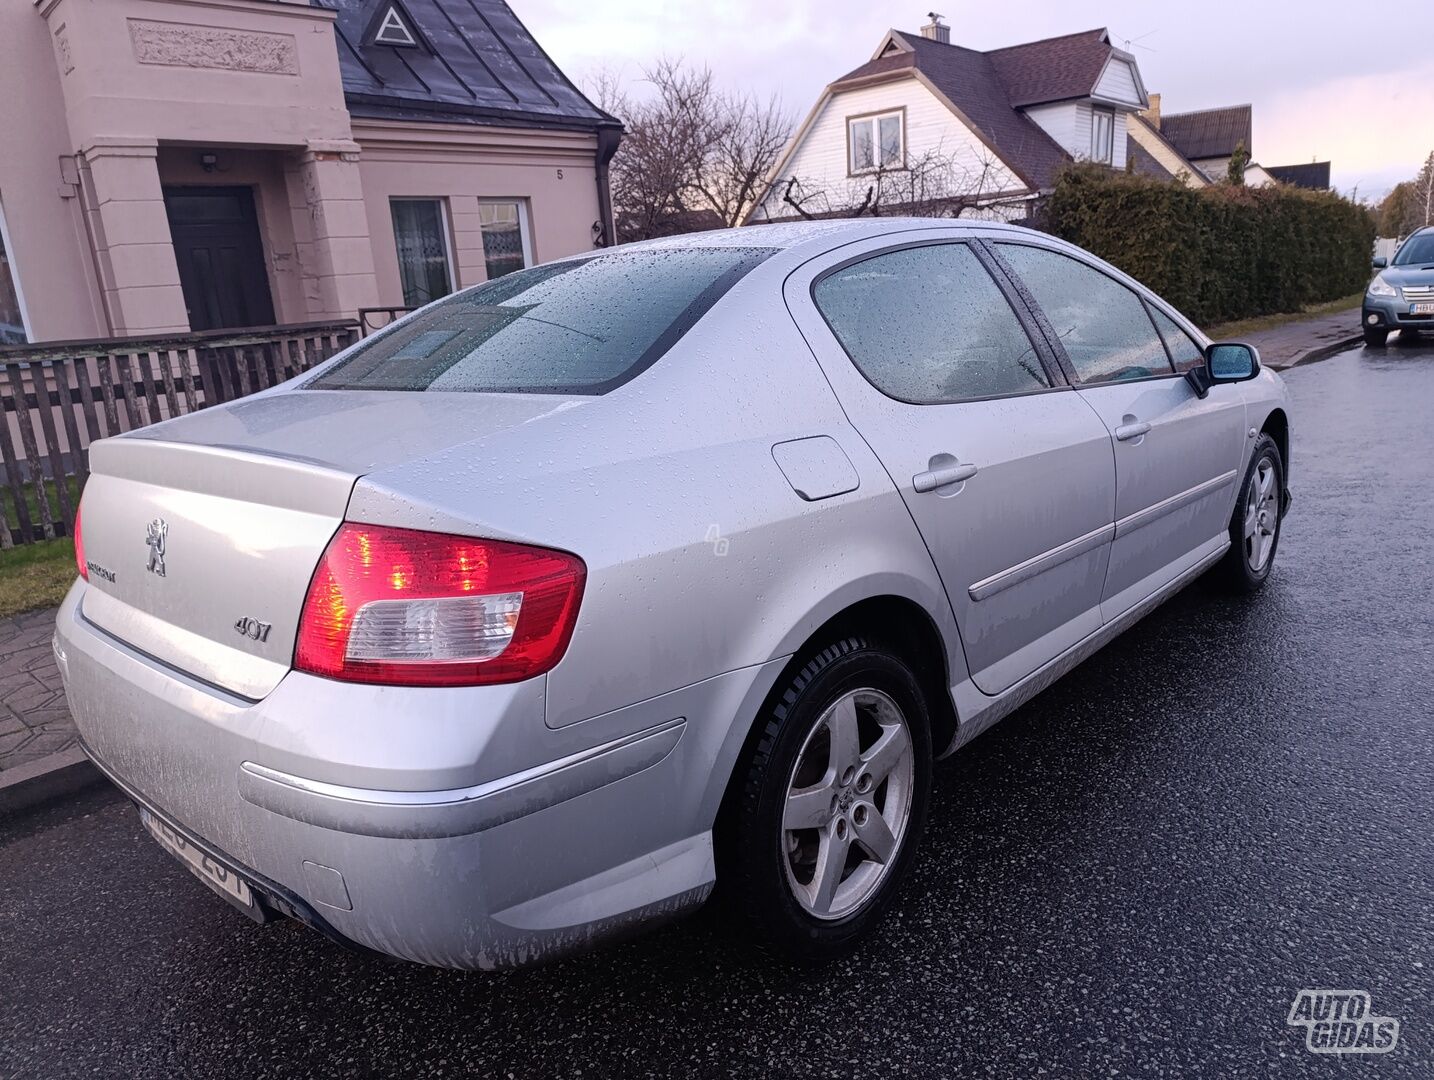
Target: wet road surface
(1131, 876)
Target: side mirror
(1380, 262)
(1225, 362)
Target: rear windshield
(583, 326)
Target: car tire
(783, 883)
(1255, 524)
(1375, 339)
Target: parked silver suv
(532, 617)
(1401, 295)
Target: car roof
(826, 233)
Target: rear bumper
(451, 828)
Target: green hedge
(1221, 252)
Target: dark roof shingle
(1209, 133)
(1313, 175)
(478, 64)
(1054, 69)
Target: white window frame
(1103, 154)
(15, 277)
(874, 120)
(444, 227)
(525, 231)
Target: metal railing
(58, 397)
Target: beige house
(176, 165)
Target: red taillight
(80, 548)
(414, 608)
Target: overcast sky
(1328, 79)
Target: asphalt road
(1133, 876)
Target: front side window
(504, 223)
(12, 315)
(927, 325)
(1102, 324)
(1102, 136)
(875, 142)
(1185, 353)
(421, 236)
(584, 326)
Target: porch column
(130, 232)
(331, 230)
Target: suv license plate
(217, 877)
(1421, 309)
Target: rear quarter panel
(701, 557)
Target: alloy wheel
(1262, 516)
(848, 803)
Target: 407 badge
(1342, 1022)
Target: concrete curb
(46, 778)
(1324, 352)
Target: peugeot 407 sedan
(571, 596)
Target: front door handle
(943, 475)
(1132, 431)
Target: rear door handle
(1132, 431)
(942, 476)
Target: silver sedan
(533, 617)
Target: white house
(934, 125)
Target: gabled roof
(1314, 175)
(473, 62)
(1209, 133)
(970, 81)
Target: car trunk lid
(202, 534)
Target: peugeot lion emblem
(158, 530)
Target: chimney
(1153, 113)
(936, 30)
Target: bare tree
(1424, 193)
(931, 184)
(692, 155)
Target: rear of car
(1401, 295)
(329, 695)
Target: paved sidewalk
(1307, 340)
(34, 720)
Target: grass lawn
(1233, 331)
(35, 575)
(7, 501)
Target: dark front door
(220, 255)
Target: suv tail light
(412, 608)
(80, 547)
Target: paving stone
(34, 719)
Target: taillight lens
(412, 608)
(80, 548)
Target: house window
(12, 308)
(420, 232)
(1102, 136)
(506, 246)
(876, 142)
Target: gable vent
(393, 29)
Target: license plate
(1421, 309)
(217, 877)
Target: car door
(1006, 472)
(1176, 454)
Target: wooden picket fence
(57, 398)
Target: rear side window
(584, 326)
(1183, 350)
(1102, 324)
(928, 325)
